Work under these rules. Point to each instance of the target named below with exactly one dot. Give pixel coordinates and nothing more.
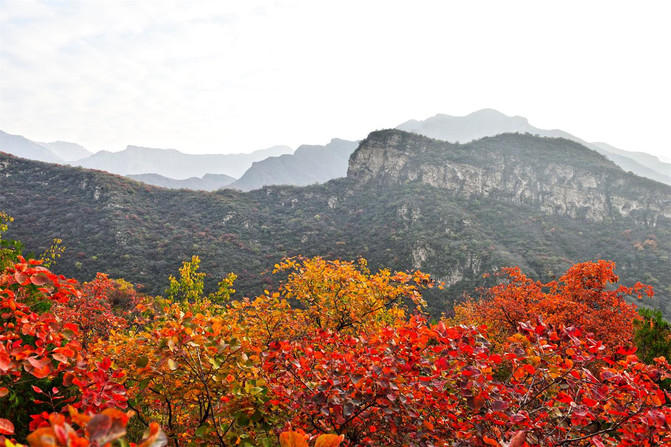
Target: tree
(582, 297)
(341, 295)
(42, 364)
(190, 366)
(92, 310)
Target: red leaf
(4, 391)
(452, 333)
(5, 360)
(39, 363)
(626, 351)
(105, 364)
(36, 389)
(529, 369)
(589, 402)
(99, 426)
(292, 439)
(38, 280)
(329, 440)
(67, 378)
(518, 439)
(41, 373)
(21, 278)
(6, 427)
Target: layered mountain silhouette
(456, 211)
(308, 165)
(490, 122)
(175, 164)
(208, 182)
(68, 152)
(135, 160)
(23, 147)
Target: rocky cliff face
(557, 175)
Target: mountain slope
(489, 122)
(408, 202)
(308, 165)
(557, 175)
(647, 160)
(208, 182)
(23, 147)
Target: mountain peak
(493, 114)
(476, 125)
(22, 147)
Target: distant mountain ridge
(208, 182)
(490, 122)
(68, 151)
(136, 160)
(175, 164)
(308, 165)
(23, 147)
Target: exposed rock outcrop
(557, 175)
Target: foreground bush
(333, 356)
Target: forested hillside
(126, 229)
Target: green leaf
(143, 383)
(142, 361)
(242, 420)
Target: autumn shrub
(587, 296)
(336, 354)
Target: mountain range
(456, 211)
(208, 182)
(135, 160)
(175, 164)
(489, 122)
(309, 164)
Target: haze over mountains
(489, 122)
(23, 147)
(175, 164)
(456, 211)
(309, 164)
(68, 152)
(208, 182)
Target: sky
(236, 76)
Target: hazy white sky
(235, 76)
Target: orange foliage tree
(585, 296)
(190, 365)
